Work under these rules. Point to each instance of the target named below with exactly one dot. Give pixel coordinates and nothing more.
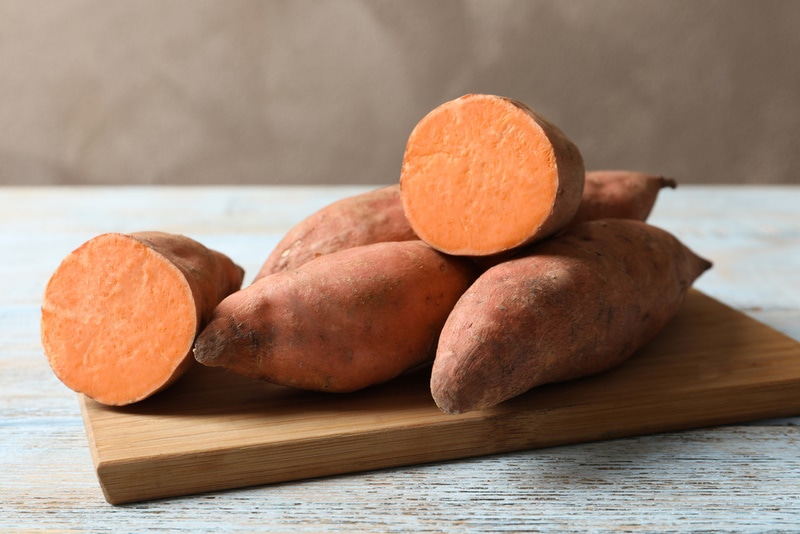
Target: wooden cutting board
(214, 430)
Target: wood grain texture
(737, 478)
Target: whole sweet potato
(341, 322)
(372, 217)
(573, 306)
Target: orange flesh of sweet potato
(121, 312)
(341, 322)
(574, 305)
(484, 174)
(372, 217)
(619, 194)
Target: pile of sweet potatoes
(496, 260)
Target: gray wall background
(327, 91)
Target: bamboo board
(214, 430)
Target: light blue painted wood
(735, 478)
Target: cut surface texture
(572, 306)
(119, 316)
(484, 174)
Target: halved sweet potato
(121, 312)
(485, 174)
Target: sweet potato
(372, 217)
(619, 194)
(121, 312)
(484, 174)
(341, 322)
(574, 305)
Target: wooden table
(743, 478)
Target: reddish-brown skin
(619, 194)
(372, 217)
(573, 306)
(211, 274)
(341, 322)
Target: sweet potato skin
(341, 322)
(619, 194)
(372, 217)
(574, 305)
(211, 275)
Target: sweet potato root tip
(372, 217)
(667, 182)
(483, 174)
(572, 306)
(339, 323)
(121, 312)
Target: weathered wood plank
(722, 479)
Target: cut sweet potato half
(485, 174)
(121, 313)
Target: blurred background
(327, 91)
